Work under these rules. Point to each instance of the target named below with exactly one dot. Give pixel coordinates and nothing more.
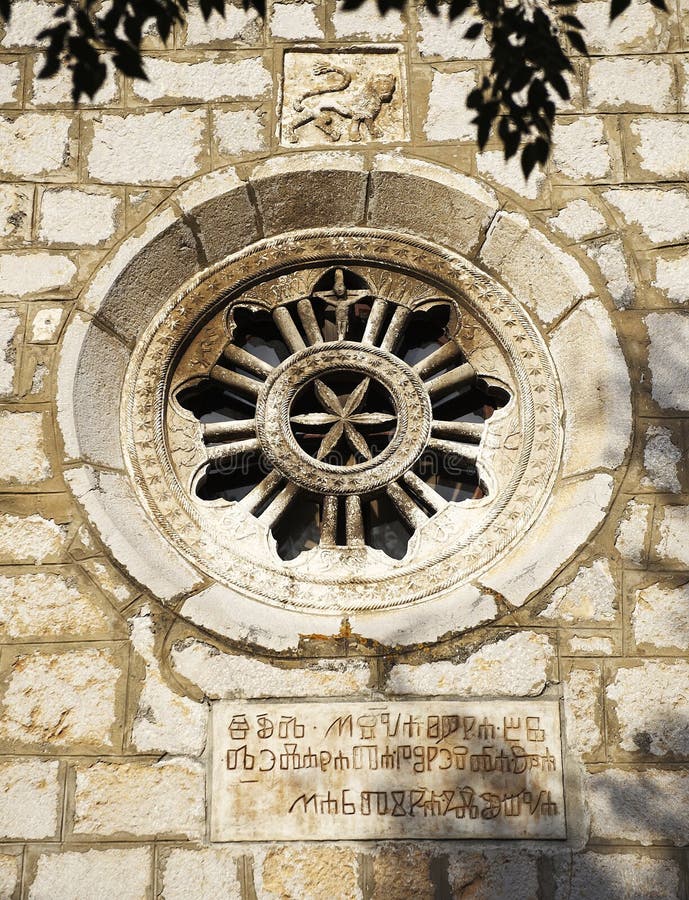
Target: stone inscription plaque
(428, 769)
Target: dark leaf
(569, 19)
(458, 8)
(617, 7)
(659, 4)
(5, 10)
(577, 41)
(473, 31)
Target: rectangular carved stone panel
(343, 97)
(425, 769)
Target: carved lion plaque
(427, 769)
(342, 97)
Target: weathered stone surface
(203, 872)
(508, 174)
(239, 131)
(490, 875)
(295, 21)
(662, 215)
(567, 521)
(650, 705)
(581, 150)
(75, 217)
(448, 118)
(630, 538)
(582, 694)
(319, 188)
(310, 871)
(245, 79)
(367, 21)
(57, 90)
(10, 872)
(45, 325)
(578, 219)
(109, 580)
(541, 275)
(354, 758)
(61, 699)
(611, 260)
(9, 325)
(672, 278)
(220, 674)
(224, 214)
(126, 874)
(411, 203)
(661, 459)
(10, 78)
(47, 604)
(662, 148)
(35, 144)
(644, 31)
(402, 870)
(623, 875)
(592, 595)
(164, 720)
(647, 807)
(29, 798)
(133, 540)
(673, 543)
(238, 25)
(668, 333)
(140, 799)
(37, 272)
(591, 646)
(27, 20)
(121, 147)
(597, 400)
(661, 617)
(16, 211)
(439, 35)
(516, 666)
(631, 83)
(31, 539)
(22, 448)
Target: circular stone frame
(216, 216)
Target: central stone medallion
(372, 423)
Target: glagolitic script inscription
(310, 771)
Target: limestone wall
(105, 687)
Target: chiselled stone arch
(326, 230)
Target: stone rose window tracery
(342, 420)
(337, 416)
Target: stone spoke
(258, 495)
(354, 522)
(238, 429)
(374, 322)
(240, 357)
(309, 321)
(406, 506)
(289, 331)
(464, 431)
(279, 505)
(233, 450)
(395, 329)
(418, 486)
(247, 387)
(441, 357)
(457, 379)
(329, 522)
(467, 452)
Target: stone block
(317, 190)
(30, 539)
(492, 875)
(660, 619)
(630, 538)
(672, 277)
(662, 457)
(672, 539)
(45, 324)
(37, 145)
(597, 398)
(22, 448)
(140, 799)
(646, 808)
(491, 670)
(644, 32)
(50, 605)
(307, 871)
(16, 212)
(407, 195)
(662, 148)
(624, 875)
(238, 132)
(650, 708)
(78, 218)
(573, 511)
(579, 219)
(508, 173)
(30, 795)
(590, 596)
(65, 699)
(120, 149)
(668, 334)
(125, 874)
(97, 388)
(221, 675)
(127, 531)
(27, 20)
(10, 874)
(295, 22)
(10, 82)
(366, 21)
(448, 118)
(225, 217)
(661, 215)
(631, 83)
(35, 272)
(9, 326)
(441, 36)
(580, 149)
(244, 78)
(401, 871)
(57, 90)
(211, 873)
(610, 258)
(237, 26)
(541, 275)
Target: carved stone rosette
(378, 382)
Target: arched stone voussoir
(433, 201)
(310, 190)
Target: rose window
(344, 420)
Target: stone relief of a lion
(330, 106)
